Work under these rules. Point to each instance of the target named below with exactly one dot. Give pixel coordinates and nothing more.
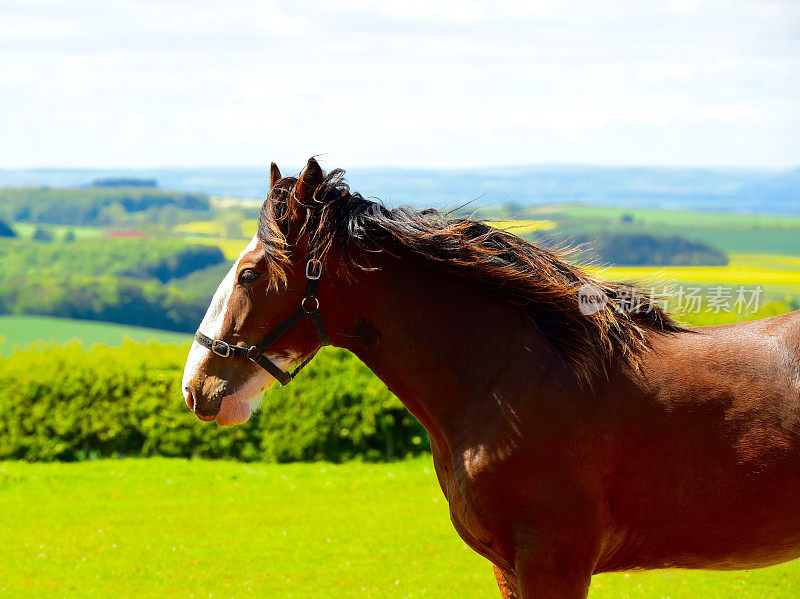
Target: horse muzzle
(206, 401)
(214, 401)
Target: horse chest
(468, 517)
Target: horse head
(255, 326)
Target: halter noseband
(309, 306)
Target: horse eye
(248, 275)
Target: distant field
(763, 250)
(775, 273)
(225, 202)
(200, 227)
(214, 229)
(230, 247)
(176, 528)
(211, 232)
(522, 227)
(20, 331)
(26, 231)
(667, 217)
(249, 228)
(737, 233)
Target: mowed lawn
(163, 528)
(17, 332)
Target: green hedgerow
(70, 403)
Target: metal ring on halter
(313, 269)
(303, 304)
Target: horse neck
(441, 342)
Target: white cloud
(133, 83)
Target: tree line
(101, 206)
(127, 281)
(639, 249)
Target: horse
(567, 441)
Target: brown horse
(568, 442)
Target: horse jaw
(237, 407)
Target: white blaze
(213, 321)
(214, 318)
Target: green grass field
(175, 528)
(16, 332)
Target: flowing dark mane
(539, 279)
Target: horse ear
(274, 175)
(311, 178)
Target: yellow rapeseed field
(199, 227)
(774, 272)
(522, 227)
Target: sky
(409, 83)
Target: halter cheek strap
(309, 306)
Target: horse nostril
(189, 397)
(206, 409)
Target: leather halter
(309, 306)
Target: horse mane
(542, 281)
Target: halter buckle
(219, 347)
(313, 269)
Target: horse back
(707, 469)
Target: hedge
(70, 403)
